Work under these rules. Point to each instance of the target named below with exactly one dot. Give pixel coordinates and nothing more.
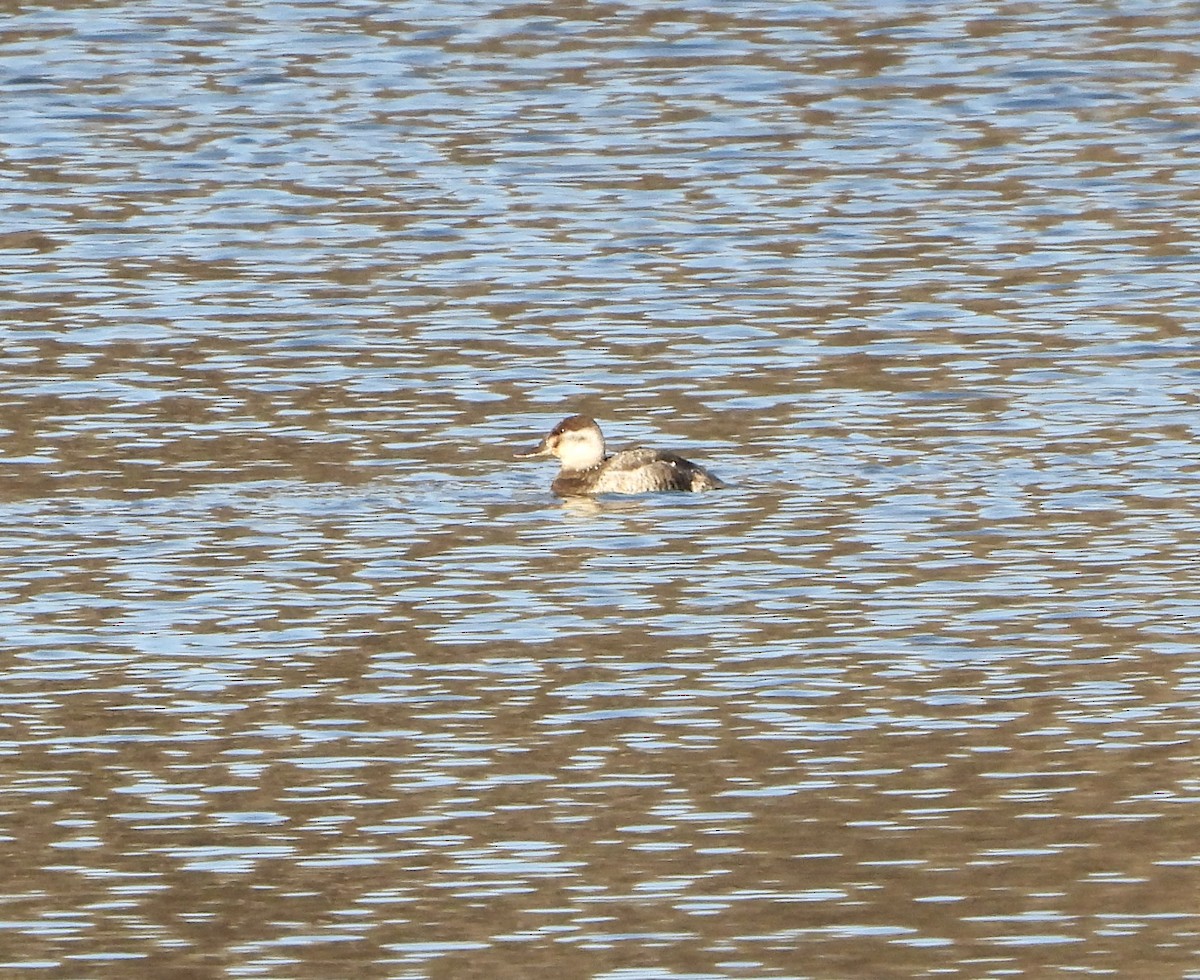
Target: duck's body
(579, 445)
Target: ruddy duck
(579, 445)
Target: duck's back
(639, 471)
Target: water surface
(304, 676)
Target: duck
(578, 444)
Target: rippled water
(304, 676)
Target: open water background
(302, 676)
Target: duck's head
(577, 442)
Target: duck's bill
(541, 449)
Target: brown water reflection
(601, 808)
(305, 676)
